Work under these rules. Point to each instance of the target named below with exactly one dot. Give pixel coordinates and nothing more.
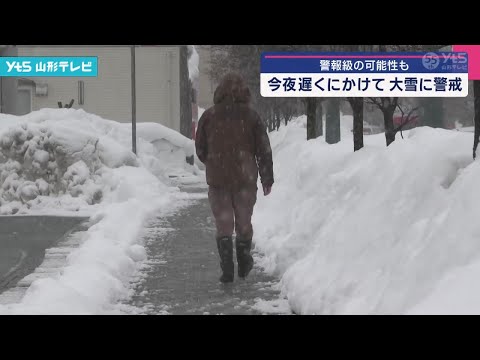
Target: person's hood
(232, 89)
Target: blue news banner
(355, 74)
(49, 66)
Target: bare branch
(405, 120)
(401, 110)
(375, 101)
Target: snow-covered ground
(379, 231)
(66, 161)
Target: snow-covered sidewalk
(181, 271)
(65, 161)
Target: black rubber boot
(244, 258)
(225, 250)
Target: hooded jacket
(232, 140)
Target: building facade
(162, 87)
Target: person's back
(230, 131)
(233, 143)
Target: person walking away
(233, 143)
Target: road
(23, 241)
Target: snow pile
(72, 162)
(379, 231)
(156, 133)
(69, 155)
(166, 152)
(37, 162)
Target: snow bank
(378, 231)
(68, 154)
(166, 152)
(154, 132)
(69, 161)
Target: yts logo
(432, 60)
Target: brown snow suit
(232, 142)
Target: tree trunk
(357, 107)
(271, 120)
(332, 121)
(388, 123)
(476, 96)
(311, 117)
(433, 112)
(319, 119)
(185, 95)
(277, 119)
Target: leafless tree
(387, 105)
(357, 107)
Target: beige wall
(109, 94)
(158, 85)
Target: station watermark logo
(49, 66)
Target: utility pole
(134, 102)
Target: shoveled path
(180, 275)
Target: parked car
(412, 122)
